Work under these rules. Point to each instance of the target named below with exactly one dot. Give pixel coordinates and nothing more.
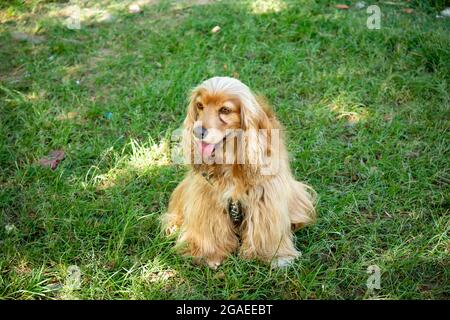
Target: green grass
(366, 113)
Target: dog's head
(218, 109)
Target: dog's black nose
(200, 132)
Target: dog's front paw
(282, 262)
(212, 263)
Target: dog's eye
(199, 105)
(224, 110)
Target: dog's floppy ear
(191, 114)
(255, 113)
(188, 126)
(257, 125)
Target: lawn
(366, 112)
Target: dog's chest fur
(233, 194)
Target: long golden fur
(274, 204)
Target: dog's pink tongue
(207, 149)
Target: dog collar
(208, 177)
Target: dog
(232, 200)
